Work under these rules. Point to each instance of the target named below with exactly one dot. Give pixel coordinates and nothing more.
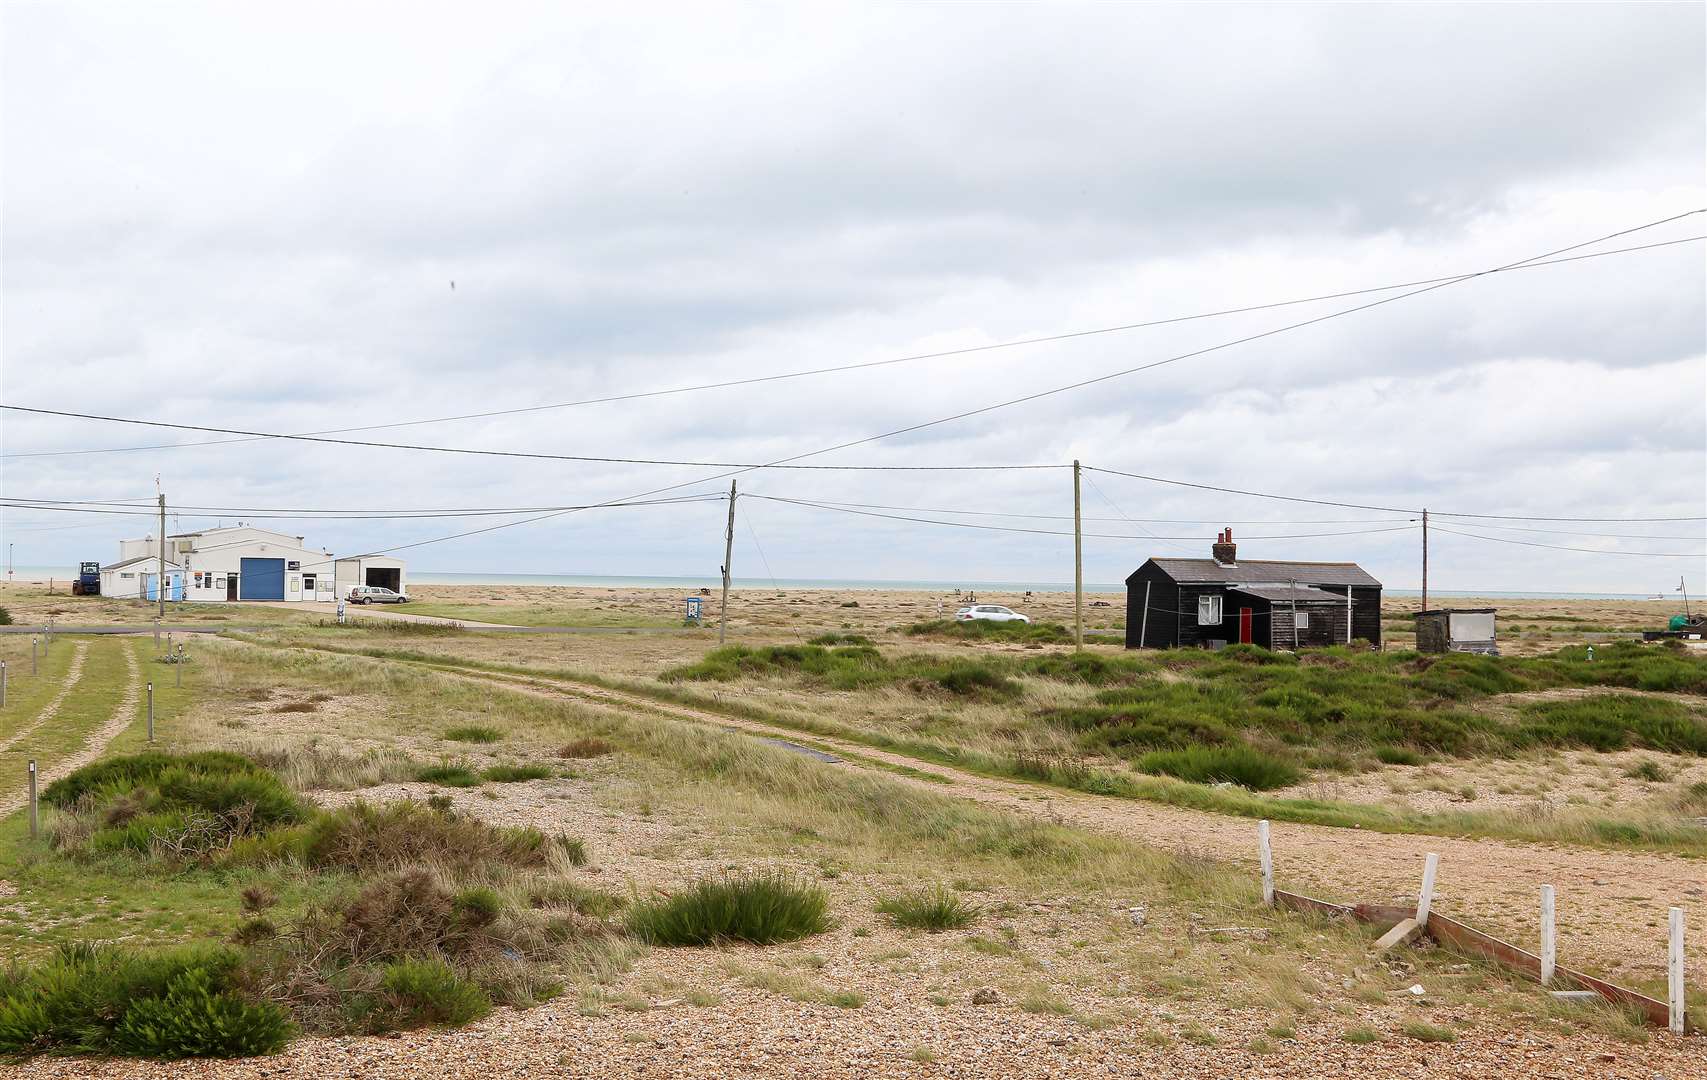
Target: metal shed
(1468, 630)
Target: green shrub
(5, 617)
(111, 1000)
(935, 909)
(474, 733)
(1085, 667)
(448, 775)
(1236, 764)
(1613, 722)
(1397, 755)
(760, 908)
(512, 774)
(421, 992)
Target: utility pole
(161, 591)
(1425, 559)
(728, 554)
(1078, 566)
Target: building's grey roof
(1297, 594)
(1259, 572)
(151, 560)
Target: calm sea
(432, 577)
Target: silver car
(375, 594)
(989, 613)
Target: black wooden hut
(1276, 604)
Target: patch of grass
(1360, 1036)
(1245, 766)
(1608, 722)
(760, 908)
(1649, 770)
(934, 910)
(108, 1000)
(984, 630)
(416, 993)
(832, 639)
(364, 838)
(1398, 755)
(515, 774)
(851, 667)
(1428, 1033)
(448, 775)
(296, 707)
(474, 733)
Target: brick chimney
(1224, 550)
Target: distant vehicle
(375, 594)
(88, 581)
(989, 613)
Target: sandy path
(123, 715)
(73, 675)
(1611, 905)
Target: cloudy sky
(252, 217)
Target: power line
(246, 436)
(1557, 547)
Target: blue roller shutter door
(262, 579)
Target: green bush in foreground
(474, 733)
(761, 908)
(1235, 764)
(934, 909)
(106, 1000)
(416, 993)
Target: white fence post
(1267, 855)
(1548, 941)
(1430, 864)
(1674, 971)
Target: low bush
(1086, 667)
(362, 837)
(108, 1000)
(513, 774)
(448, 775)
(839, 639)
(416, 993)
(590, 747)
(1613, 722)
(1236, 764)
(760, 908)
(5, 617)
(474, 733)
(934, 910)
(852, 667)
(984, 630)
(1397, 755)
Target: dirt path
(370, 611)
(73, 675)
(1611, 905)
(124, 713)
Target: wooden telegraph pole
(728, 554)
(1078, 565)
(1425, 559)
(161, 591)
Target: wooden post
(150, 712)
(34, 826)
(1549, 953)
(1266, 854)
(1144, 623)
(2, 684)
(1078, 566)
(728, 554)
(1430, 864)
(33, 667)
(1674, 971)
(1348, 614)
(161, 591)
(177, 670)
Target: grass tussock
(759, 908)
(448, 775)
(515, 774)
(983, 630)
(933, 910)
(365, 837)
(1245, 766)
(590, 747)
(313, 766)
(474, 733)
(852, 667)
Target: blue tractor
(88, 581)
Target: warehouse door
(262, 579)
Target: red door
(1244, 626)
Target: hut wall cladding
(1163, 627)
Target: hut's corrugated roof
(1294, 593)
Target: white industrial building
(242, 562)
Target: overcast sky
(252, 216)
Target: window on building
(1208, 611)
(1301, 620)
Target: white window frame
(1209, 610)
(1300, 620)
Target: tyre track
(73, 675)
(123, 715)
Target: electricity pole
(728, 554)
(1425, 559)
(1078, 566)
(162, 589)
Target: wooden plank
(1300, 902)
(1549, 947)
(1403, 932)
(1265, 854)
(1431, 863)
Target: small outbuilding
(1221, 601)
(1468, 630)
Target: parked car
(989, 613)
(375, 594)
